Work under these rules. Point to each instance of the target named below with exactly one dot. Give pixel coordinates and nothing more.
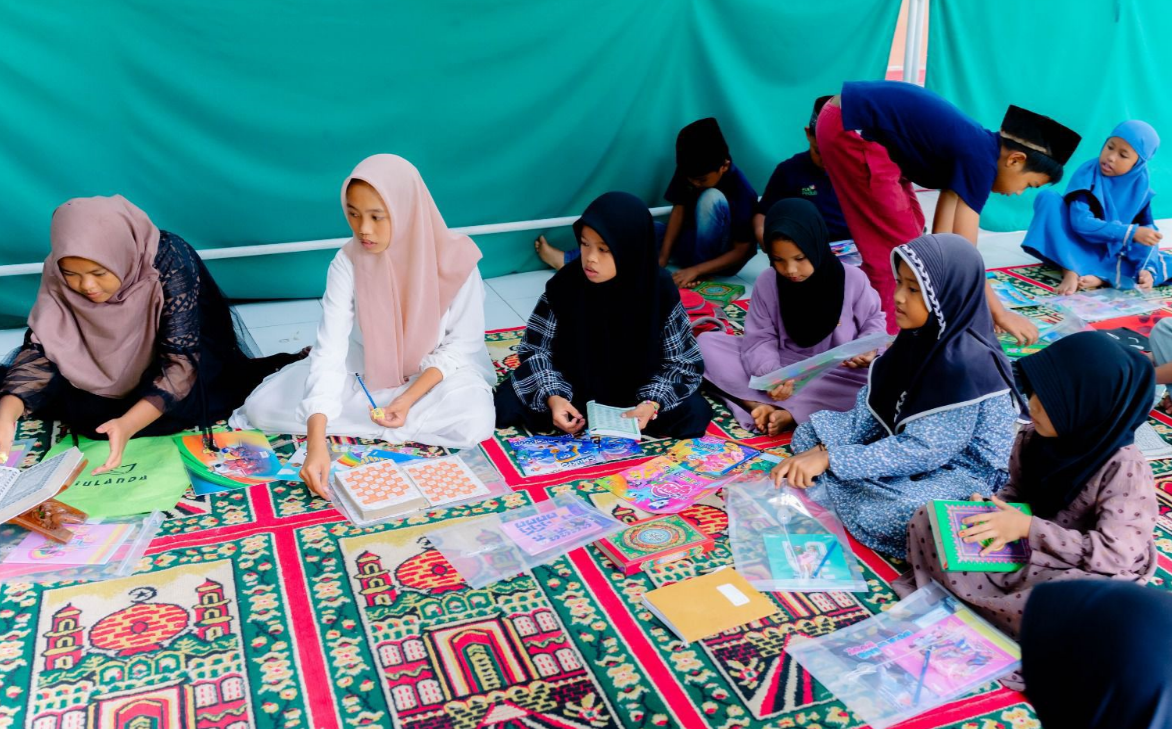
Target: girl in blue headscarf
(1101, 232)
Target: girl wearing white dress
(404, 306)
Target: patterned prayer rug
(264, 608)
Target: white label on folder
(735, 596)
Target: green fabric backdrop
(234, 123)
(1090, 64)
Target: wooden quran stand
(50, 518)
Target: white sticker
(735, 596)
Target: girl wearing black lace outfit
(129, 334)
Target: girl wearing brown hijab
(129, 334)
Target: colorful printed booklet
(922, 652)
(17, 452)
(91, 544)
(343, 457)
(1010, 295)
(100, 549)
(807, 370)
(653, 542)
(604, 420)
(1047, 335)
(691, 470)
(242, 456)
(548, 530)
(957, 555)
(543, 454)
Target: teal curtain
(1090, 64)
(234, 123)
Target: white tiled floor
(287, 326)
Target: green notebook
(956, 555)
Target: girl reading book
(805, 304)
(1092, 493)
(129, 335)
(404, 307)
(935, 420)
(609, 328)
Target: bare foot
(1068, 285)
(779, 421)
(551, 256)
(1090, 282)
(1144, 282)
(761, 414)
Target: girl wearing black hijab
(1118, 678)
(1091, 491)
(806, 303)
(936, 418)
(609, 328)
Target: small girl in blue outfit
(935, 420)
(1101, 232)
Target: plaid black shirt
(536, 380)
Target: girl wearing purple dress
(806, 303)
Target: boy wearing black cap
(877, 138)
(804, 176)
(710, 231)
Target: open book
(604, 420)
(806, 370)
(22, 490)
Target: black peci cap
(1039, 133)
(700, 148)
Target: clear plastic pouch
(807, 370)
(924, 651)
(473, 458)
(498, 546)
(118, 542)
(784, 541)
(1103, 304)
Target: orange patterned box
(444, 480)
(380, 489)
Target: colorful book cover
(91, 544)
(806, 557)
(720, 293)
(1010, 295)
(20, 448)
(711, 456)
(548, 530)
(244, 455)
(654, 541)
(660, 486)
(444, 480)
(540, 455)
(345, 458)
(949, 655)
(961, 556)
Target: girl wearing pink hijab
(403, 307)
(129, 334)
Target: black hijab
(811, 309)
(955, 358)
(1096, 392)
(1095, 655)
(609, 338)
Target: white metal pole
(269, 249)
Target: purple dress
(730, 361)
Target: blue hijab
(954, 359)
(1122, 197)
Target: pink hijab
(403, 292)
(102, 348)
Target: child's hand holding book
(996, 529)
